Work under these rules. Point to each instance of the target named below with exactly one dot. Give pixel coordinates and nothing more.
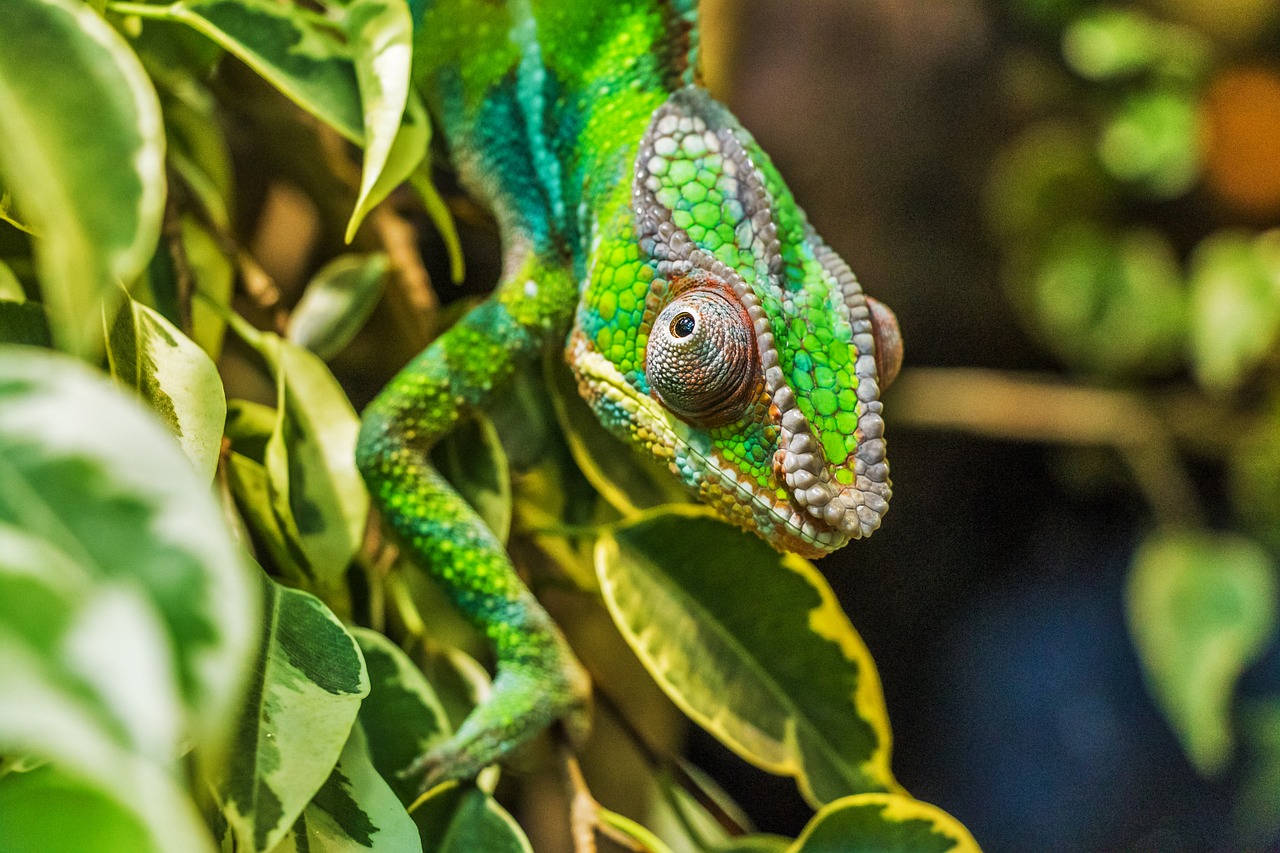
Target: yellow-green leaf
(396, 128)
(1201, 608)
(293, 49)
(82, 147)
(883, 823)
(337, 302)
(707, 610)
(177, 379)
(1235, 306)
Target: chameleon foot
(527, 697)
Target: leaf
(49, 811)
(198, 150)
(100, 640)
(476, 822)
(294, 50)
(883, 823)
(306, 691)
(92, 473)
(24, 323)
(752, 645)
(473, 461)
(1153, 140)
(214, 280)
(380, 33)
(1111, 303)
(353, 811)
(438, 210)
(1235, 306)
(83, 150)
(402, 717)
(337, 302)
(10, 288)
(175, 377)
(318, 496)
(645, 839)
(1201, 608)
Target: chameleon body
(646, 234)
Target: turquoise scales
(705, 321)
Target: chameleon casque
(645, 233)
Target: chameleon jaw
(784, 525)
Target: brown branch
(1023, 408)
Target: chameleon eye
(701, 359)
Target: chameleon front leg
(538, 679)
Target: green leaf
(24, 323)
(197, 144)
(438, 210)
(49, 811)
(1235, 306)
(353, 811)
(294, 50)
(1255, 477)
(475, 823)
(402, 717)
(1201, 608)
(1111, 303)
(10, 288)
(319, 498)
(88, 470)
(883, 823)
(214, 281)
(82, 146)
(1154, 140)
(473, 460)
(644, 838)
(337, 302)
(381, 35)
(175, 377)
(101, 641)
(752, 645)
(304, 697)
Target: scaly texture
(707, 323)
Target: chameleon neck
(553, 96)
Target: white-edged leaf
(396, 128)
(86, 468)
(337, 302)
(180, 382)
(82, 147)
(302, 702)
(353, 811)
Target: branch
(1017, 407)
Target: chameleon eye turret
(701, 359)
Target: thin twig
(582, 806)
(1017, 407)
(262, 290)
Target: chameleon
(646, 234)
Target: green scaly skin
(646, 233)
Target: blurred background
(1067, 204)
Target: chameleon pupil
(682, 326)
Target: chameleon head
(718, 331)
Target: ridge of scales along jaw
(826, 504)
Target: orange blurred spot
(1242, 139)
